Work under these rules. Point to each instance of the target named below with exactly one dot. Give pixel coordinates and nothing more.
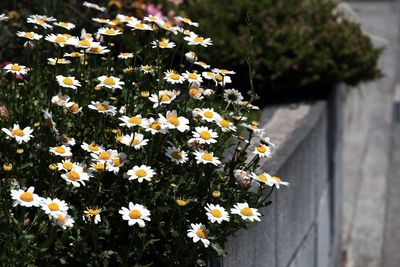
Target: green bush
(295, 44)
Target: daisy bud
(53, 167)
(145, 94)
(36, 124)
(216, 194)
(20, 151)
(181, 202)
(28, 44)
(7, 167)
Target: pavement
(371, 160)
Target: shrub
(121, 148)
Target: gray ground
(371, 185)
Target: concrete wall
(302, 226)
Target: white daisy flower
(104, 21)
(233, 96)
(264, 178)
(134, 139)
(262, 151)
(202, 64)
(65, 25)
(137, 25)
(103, 107)
(225, 125)
(223, 71)
(117, 161)
(98, 50)
(59, 39)
(135, 214)
(16, 69)
(29, 35)
(154, 19)
(173, 77)
(164, 97)
(247, 213)
(196, 92)
(172, 121)
(76, 176)
(84, 43)
(208, 75)
(277, 182)
(146, 69)
(66, 140)
(199, 232)
(194, 39)
(73, 107)
(125, 55)
(207, 114)
(66, 165)
(63, 151)
(53, 206)
(176, 155)
(109, 31)
(168, 27)
(126, 19)
(155, 126)
(92, 148)
(60, 99)
(104, 156)
(60, 61)
(25, 198)
(129, 122)
(164, 43)
(187, 21)
(68, 81)
(92, 215)
(206, 157)
(98, 166)
(204, 135)
(63, 220)
(253, 126)
(94, 6)
(191, 57)
(51, 125)
(39, 22)
(110, 82)
(73, 54)
(216, 213)
(141, 173)
(192, 77)
(20, 135)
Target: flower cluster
(133, 127)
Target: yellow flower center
(68, 165)
(167, 26)
(29, 35)
(40, 22)
(198, 39)
(207, 157)
(209, 114)
(68, 81)
(61, 60)
(135, 120)
(262, 149)
(192, 76)
(181, 202)
(176, 154)
(26, 196)
(194, 92)
(84, 43)
(109, 81)
(17, 132)
(224, 123)
(102, 107)
(64, 24)
(175, 76)
(60, 39)
(218, 77)
(53, 206)
(60, 149)
(155, 125)
(110, 31)
(74, 107)
(165, 98)
(163, 44)
(135, 142)
(104, 156)
(173, 120)
(140, 173)
(135, 214)
(277, 179)
(16, 68)
(61, 219)
(205, 135)
(216, 213)
(75, 54)
(92, 212)
(262, 177)
(187, 20)
(146, 68)
(117, 161)
(99, 167)
(73, 176)
(139, 25)
(246, 212)
(93, 147)
(202, 234)
(96, 49)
